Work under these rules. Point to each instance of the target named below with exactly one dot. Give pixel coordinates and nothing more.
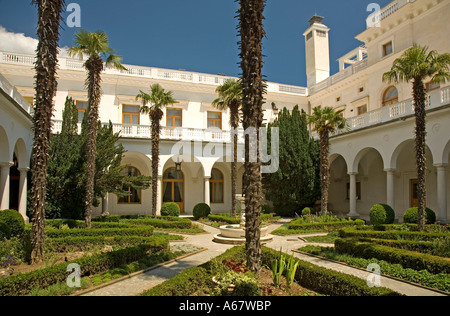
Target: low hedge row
(412, 245)
(72, 243)
(327, 226)
(368, 232)
(315, 278)
(224, 218)
(168, 222)
(406, 258)
(22, 284)
(144, 231)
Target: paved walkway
(137, 284)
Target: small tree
(326, 121)
(298, 155)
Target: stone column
(159, 196)
(442, 191)
(4, 185)
(207, 193)
(23, 183)
(352, 194)
(390, 187)
(105, 204)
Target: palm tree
(251, 29)
(49, 13)
(93, 46)
(152, 105)
(230, 96)
(326, 121)
(417, 64)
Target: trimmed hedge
(381, 214)
(224, 218)
(411, 216)
(170, 209)
(161, 222)
(321, 280)
(22, 284)
(145, 231)
(368, 232)
(14, 220)
(5, 231)
(201, 210)
(406, 258)
(330, 226)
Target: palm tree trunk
(253, 88)
(419, 109)
(324, 169)
(155, 117)
(46, 65)
(95, 67)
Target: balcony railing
(167, 133)
(14, 94)
(399, 110)
(148, 72)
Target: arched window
(173, 187)
(135, 195)
(390, 96)
(216, 186)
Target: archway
(338, 191)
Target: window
(82, 107)
(430, 86)
(390, 96)
(134, 196)
(387, 49)
(361, 89)
(216, 186)
(362, 109)
(321, 33)
(173, 187)
(174, 118)
(215, 120)
(131, 114)
(338, 99)
(358, 191)
(309, 35)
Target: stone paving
(139, 283)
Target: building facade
(372, 162)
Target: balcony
(15, 95)
(149, 72)
(167, 133)
(400, 110)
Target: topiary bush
(201, 210)
(306, 211)
(170, 209)
(14, 221)
(411, 216)
(5, 232)
(381, 214)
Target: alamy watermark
(258, 143)
(374, 19)
(74, 278)
(374, 279)
(74, 18)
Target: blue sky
(201, 35)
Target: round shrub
(5, 232)
(14, 221)
(306, 211)
(201, 210)
(170, 209)
(411, 216)
(381, 214)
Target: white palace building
(373, 162)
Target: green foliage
(369, 232)
(324, 222)
(296, 183)
(103, 232)
(22, 284)
(277, 268)
(411, 216)
(14, 220)
(381, 214)
(233, 283)
(67, 163)
(170, 209)
(306, 211)
(201, 210)
(5, 231)
(407, 258)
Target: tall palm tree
(417, 64)
(326, 121)
(94, 46)
(152, 105)
(49, 13)
(251, 29)
(230, 96)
